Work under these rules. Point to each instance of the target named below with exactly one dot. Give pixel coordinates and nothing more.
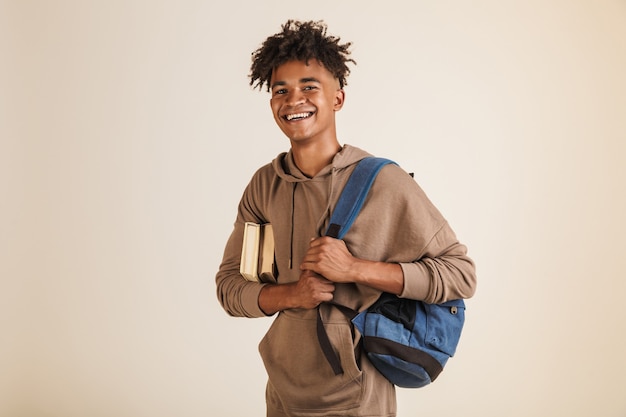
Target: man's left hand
(330, 258)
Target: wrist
(360, 271)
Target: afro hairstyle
(300, 41)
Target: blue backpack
(408, 341)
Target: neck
(311, 158)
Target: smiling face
(304, 101)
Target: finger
(313, 243)
(329, 297)
(317, 241)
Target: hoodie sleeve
(238, 296)
(444, 271)
(411, 231)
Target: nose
(295, 97)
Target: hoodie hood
(287, 169)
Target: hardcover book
(257, 253)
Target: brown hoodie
(397, 223)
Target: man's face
(304, 101)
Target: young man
(399, 243)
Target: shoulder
(399, 188)
(265, 171)
(263, 176)
(392, 176)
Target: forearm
(276, 297)
(331, 259)
(383, 276)
(308, 292)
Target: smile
(298, 116)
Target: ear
(340, 98)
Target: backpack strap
(353, 195)
(347, 209)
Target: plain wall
(128, 132)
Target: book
(257, 253)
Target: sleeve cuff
(250, 299)
(415, 281)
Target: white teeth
(297, 116)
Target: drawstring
(326, 213)
(293, 212)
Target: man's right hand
(313, 289)
(308, 292)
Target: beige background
(128, 132)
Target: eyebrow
(302, 81)
(309, 80)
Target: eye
(280, 91)
(309, 88)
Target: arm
(242, 298)
(331, 258)
(444, 272)
(433, 278)
(417, 254)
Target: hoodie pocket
(300, 376)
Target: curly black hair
(300, 41)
